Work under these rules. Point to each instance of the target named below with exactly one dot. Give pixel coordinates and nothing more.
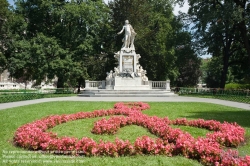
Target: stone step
(126, 93)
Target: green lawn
(11, 119)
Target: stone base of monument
(126, 93)
(127, 87)
(128, 79)
(129, 84)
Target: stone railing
(159, 84)
(110, 83)
(95, 84)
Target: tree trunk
(224, 70)
(226, 55)
(80, 80)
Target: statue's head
(126, 22)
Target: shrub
(237, 86)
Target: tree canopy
(55, 38)
(222, 29)
(76, 40)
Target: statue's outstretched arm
(121, 31)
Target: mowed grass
(13, 118)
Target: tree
(56, 38)
(188, 63)
(4, 17)
(243, 23)
(239, 68)
(216, 24)
(3, 12)
(75, 40)
(213, 72)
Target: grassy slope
(11, 119)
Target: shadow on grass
(241, 117)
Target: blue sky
(11, 2)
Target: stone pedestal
(129, 84)
(127, 59)
(129, 74)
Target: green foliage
(241, 96)
(4, 8)
(4, 19)
(4, 12)
(188, 63)
(29, 96)
(237, 86)
(204, 69)
(7, 96)
(55, 38)
(213, 72)
(239, 68)
(221, 28)
(17, 90)
(75, 40)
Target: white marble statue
(110, 75)
(116, 71)
(140, 70)
(143, 75)
(128, 40)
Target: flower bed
(208, 150)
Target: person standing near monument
(128, 40)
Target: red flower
(208, 151)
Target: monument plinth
(128, 75)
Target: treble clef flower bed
(210, 150)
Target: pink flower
(208, 150)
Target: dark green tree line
(56, 38)
(76, 40)
(5, 17)
(222, 28)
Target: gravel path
(144, 99)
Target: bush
(237, 86)
(18, 90)
(6, 98)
